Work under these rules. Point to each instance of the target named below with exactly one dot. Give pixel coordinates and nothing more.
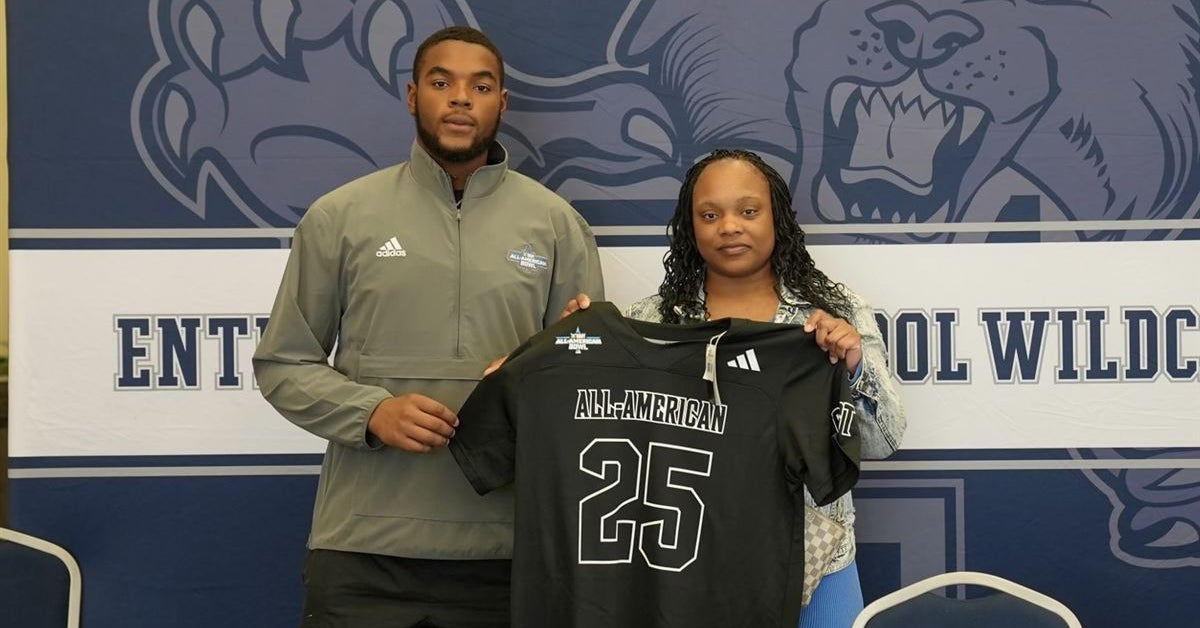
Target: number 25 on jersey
(654, 506)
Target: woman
(737, 251)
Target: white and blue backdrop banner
(1013, 186)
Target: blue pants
(836, 602)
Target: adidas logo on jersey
(391, 248)
(746, 361)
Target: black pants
(348, 590)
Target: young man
(418, 274)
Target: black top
(647, 495)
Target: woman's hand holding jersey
(837, 337)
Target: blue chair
(1010, 604)
(40, 583)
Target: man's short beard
(443, 154)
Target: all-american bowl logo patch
(577, 341)
(528, 261)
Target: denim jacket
(883, 420)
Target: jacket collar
(790, 302)
(482, 182)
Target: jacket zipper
(458, 226)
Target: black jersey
(649, 493)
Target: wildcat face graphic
(906, 111)
(901, 111)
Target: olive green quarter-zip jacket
(414, 294)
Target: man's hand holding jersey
(580, 302)
(412, 422)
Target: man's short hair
(457, 33)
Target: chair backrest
(1010, 605)
(40, 583)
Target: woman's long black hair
(790, 260)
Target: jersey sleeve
(484, 443)
(819, 431)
